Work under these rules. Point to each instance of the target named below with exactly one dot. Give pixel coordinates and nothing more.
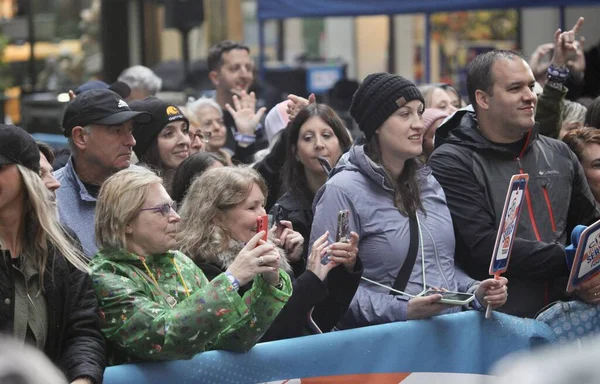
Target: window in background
(457, 37)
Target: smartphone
(324, 164)
(262, 224)
(343, 231)
(342, 235)
(279, 213)
(452, 298)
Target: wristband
(557, 74)
(244, 139)
(234, 282)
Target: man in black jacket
(477, 152)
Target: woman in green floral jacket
(155, 303)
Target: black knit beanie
(378, 97)
(162, 113)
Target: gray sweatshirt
(362, 187)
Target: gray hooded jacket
(362, 187)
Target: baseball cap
(18, 147)
(118, 87)
(162, 114)
(99, 106)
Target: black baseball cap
(99, 106)
(162, 114)
(118, 87)
(18, 147)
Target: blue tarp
(460, 343)
(281, 9)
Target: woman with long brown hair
(390, 195)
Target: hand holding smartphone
(451, 298)
(262, 224)
(342, 235)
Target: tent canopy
(281, 9)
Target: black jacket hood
(462, 128)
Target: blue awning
(281, 9)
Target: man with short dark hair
(231, 70)
(99, 125)
(477, 152)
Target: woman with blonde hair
(48, 298)
(219, 215)
(156, 304)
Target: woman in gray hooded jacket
(383, 184)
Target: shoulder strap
(407, 267)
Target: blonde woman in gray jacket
(383, 185)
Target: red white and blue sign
(586, 263)
(507, 229)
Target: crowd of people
(144, 242)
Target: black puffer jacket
(74, 341)
(475, 173)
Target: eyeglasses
(164, 209)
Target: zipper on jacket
(549, 206)
(529, 206)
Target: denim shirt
(76, 207)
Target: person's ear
(128, 229)
(214, 78)
(79, 137)
(482, 99)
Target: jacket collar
(122, 255)
(357, 160)
(76, 181)
(462, 128)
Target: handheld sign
(586, 263)
(508, 227)
(508, 224)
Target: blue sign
(320, 79)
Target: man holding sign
(479, 149)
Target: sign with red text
(507, 229)
(586, 263)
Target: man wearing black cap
(99, 125)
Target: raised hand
(244, 112)
(538, 66)
(564, 44)
(576, 62)
(313, 263)
(297, 103)
(345, 253)
(288, 239)
(255, 258)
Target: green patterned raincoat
(185, 314)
